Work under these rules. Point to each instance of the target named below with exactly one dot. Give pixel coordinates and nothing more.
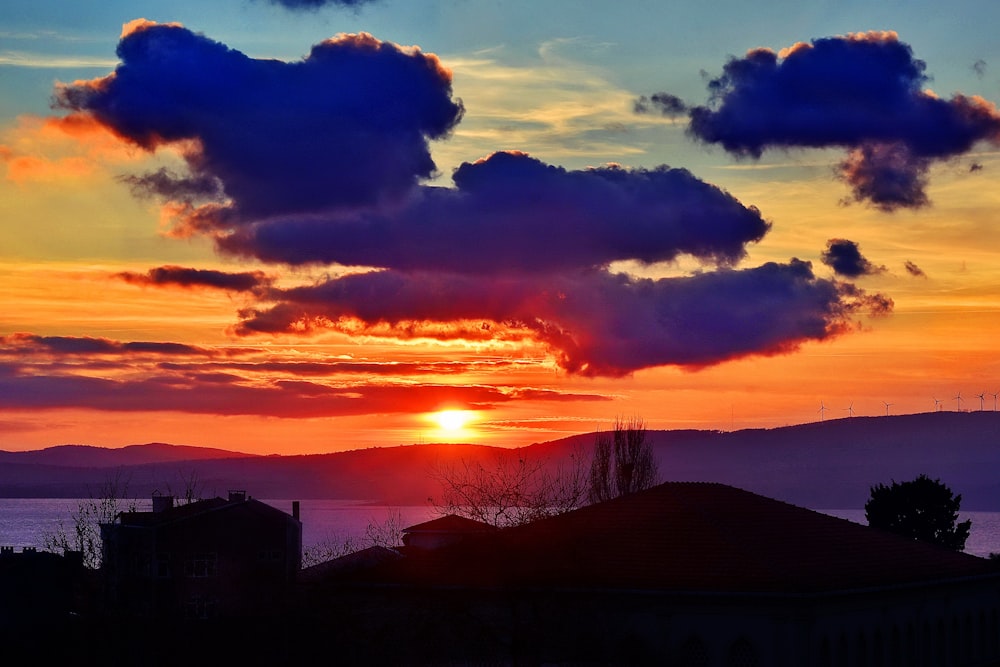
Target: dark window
(693, 653)
(201, 565)
(742, 654)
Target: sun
(452, 420)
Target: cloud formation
(320, 162)
(243, 281)
(845, 258)
(863, 92)
(52, 372)
(595, 323)
(348, 125)
(511, 212)
(914, 270)
(667, 104)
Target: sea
(26, 522)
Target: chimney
(295, 510)
(162, 503)
(237, 496)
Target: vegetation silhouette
(923, 509)
(623, 461)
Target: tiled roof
(691, 537)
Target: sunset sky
(296, 226)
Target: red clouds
(595, 323)
(862, 92)
(39, 372)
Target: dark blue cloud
(348, 125)
(845, 258)
(511, 212)
(862, 92)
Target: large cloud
(863, 92)
(348, 125)
(320, 162)
(596, 323)
(511, 212)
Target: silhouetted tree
(924, 509)
(84, 535)
(385, 533)
(513, 490)
(622, 462)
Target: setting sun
(452, 420)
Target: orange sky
(94, 351)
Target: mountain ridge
(830, 464)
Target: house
(443, 531)
(216, 558)
(681, 574)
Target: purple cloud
(845, 258)
(595, 322)
(511, 212)
(863, 92)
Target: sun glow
(452, 421)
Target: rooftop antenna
(850, 408)
(887, 407)
(937, 404)
(958, 399)
(822, 410)
(981, 400)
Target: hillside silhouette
(829, 464)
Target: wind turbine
(887, 407)
(981, 398)
(937, 405)
(994, 395)
(822, 410)
(850, 408)
(958, 399)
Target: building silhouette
(691, 574)
(216, 558)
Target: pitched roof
(450, 523)
(196, 509)
(692, 537)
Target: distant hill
(87, 456)
(824, 465)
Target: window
(200, 607)
(201, 565)
(742, 654)
(162, 566)
(693, 653)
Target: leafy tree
(623, 461)
(512, 490)
(924, 509)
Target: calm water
(26, 521)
